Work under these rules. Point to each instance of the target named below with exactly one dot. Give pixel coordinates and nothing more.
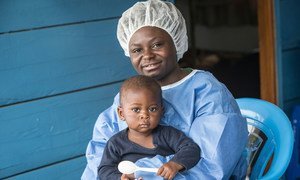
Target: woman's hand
(169, 170)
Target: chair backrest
(270, 134)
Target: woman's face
(153, 53)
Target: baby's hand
(127, 177)
(169, 170)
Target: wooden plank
(266, 31)
(51, 61)
(42, 132)
(291, 75)
(20, 15)
(71, 169)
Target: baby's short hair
(140, 82)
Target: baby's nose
(144, 115)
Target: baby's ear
(120, 113)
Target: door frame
(267, 55)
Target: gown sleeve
(221, 132)
(222, 143)
(106, 126)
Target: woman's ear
(120, 113)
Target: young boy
(141, 107)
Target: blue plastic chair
(270, 133)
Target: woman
(153, 35)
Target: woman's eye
(135, 110)
(137, 50)
(156, 45)
(153, 109)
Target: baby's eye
(153, 109)
(136, 110)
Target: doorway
(223, 37)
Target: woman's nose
(148, 54)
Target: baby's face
(141, 109)
(153, 53)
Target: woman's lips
(150, 67)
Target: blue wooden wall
(60, 66)
(288, 52)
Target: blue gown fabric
(201, 107)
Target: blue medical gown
(201, 107)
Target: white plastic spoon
(128, 167)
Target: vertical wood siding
(288, 57)
(60, 66)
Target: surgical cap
(154, 13)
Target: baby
(141, 107)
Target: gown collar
(179, 82)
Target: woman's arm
(222, 138)
(106, 126)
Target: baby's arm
(169, 170)
(110, 159)
(187, 152)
